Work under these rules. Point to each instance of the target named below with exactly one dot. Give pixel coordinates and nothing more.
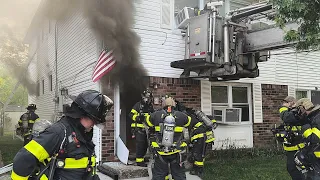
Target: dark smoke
(112, 22)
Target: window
(38, 88)
(50, 82)
(235, 96)
(301, 94)
(313, 95)
(219, 94)
(43, 86)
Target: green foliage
(236, 153)
(9, 147)
(304, 12)
(260, 167)
(7, 84)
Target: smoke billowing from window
(112, 22)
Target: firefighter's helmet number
(197, 30)
(169, 128)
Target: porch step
(118, 170)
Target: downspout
(56, 107)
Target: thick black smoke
(112, 22)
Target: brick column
(272, 96)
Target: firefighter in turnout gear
(139, 112)
(201, 136)
(309, 157)
(168, 143)
(291, 135)
(26, 122)
(65, 151)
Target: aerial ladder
(229, 47)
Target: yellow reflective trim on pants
(139, 159)
(199, 163)
(213, 120)
(44, 177)
(15, 176)
(167, 177)
(316, 132)
(133, 111)
(188, 123)
(168, 153)
(198, 124)
(293, 128)
(210, 140)
(148, 121)
(155, 144)
(317, 154)
(137, 125)
(71, 163)
(134, 117)
(294, 148)
(283, 109)
(176, 129)
(20, 121)
(197, 136)
(307, 133)
(37, 150)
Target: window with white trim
(313, 95)
(225, 98)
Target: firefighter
(65, 150)
(201, 136)
(308, 157)
(26, 122)
(140, 110)
(168, 143)
(293, 137)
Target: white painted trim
(116, 115)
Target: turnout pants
(160, 168)
(291, 167)
(141, 145)
(198, 151)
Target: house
(63, 53)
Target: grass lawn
(251, 168)
(9, 147)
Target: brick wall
(187, 91)
(272, 96)
(108, 131)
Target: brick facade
(108, 131)
(187, 91)
(272, 96)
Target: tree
(304, 12)
(7, 84)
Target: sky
(17, 14)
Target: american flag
(105, 64)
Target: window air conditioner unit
(227, 115)
(183, 16)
